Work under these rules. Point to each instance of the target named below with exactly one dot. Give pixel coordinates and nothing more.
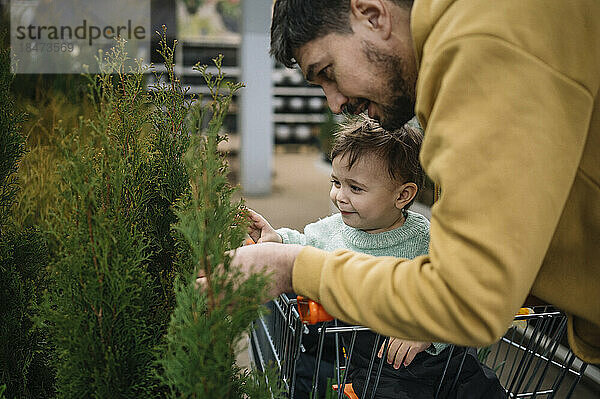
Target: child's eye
(335, 183)
(356, 188)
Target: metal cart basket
(529, 361)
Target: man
(508, 94)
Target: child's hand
(402, 352)
(260, 230)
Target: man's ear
(374, 14)
(406, 193)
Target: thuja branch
(199, 355)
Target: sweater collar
(359, 239)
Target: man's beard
(401, 106)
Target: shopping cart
(530, 360)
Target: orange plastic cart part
(348, 391)
(522, 323)
(524, 311)
(311, 312)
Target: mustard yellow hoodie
(508, 93)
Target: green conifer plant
(114, 251)
(99, 310)
(198, 358)
(25, 370)
(120, 272)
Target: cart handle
(312, 312)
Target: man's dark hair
(398, 149)
(297, 22)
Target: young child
(375, 177)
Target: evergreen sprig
(167, 142)
(208, 323)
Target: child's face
(366, 195)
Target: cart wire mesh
(530, 360)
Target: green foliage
(55, 105)
(107, 180)
(257, 384)
(113, 270)
(167, 180)
(102, 298)
(199, 356)
(49, 127)
(12, 143)
(98, 310)
(24, 353)
(116, 256)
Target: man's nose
(335, 99)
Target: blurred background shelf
(298, 110)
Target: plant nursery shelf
(299, 118)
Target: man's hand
(260, 230)
(274, 259)
(402, 352)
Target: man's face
(360, 75)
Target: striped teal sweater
(407, 241)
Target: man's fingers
(254, 231)
(258, 223)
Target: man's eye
(327, 73)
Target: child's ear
(406, 193)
